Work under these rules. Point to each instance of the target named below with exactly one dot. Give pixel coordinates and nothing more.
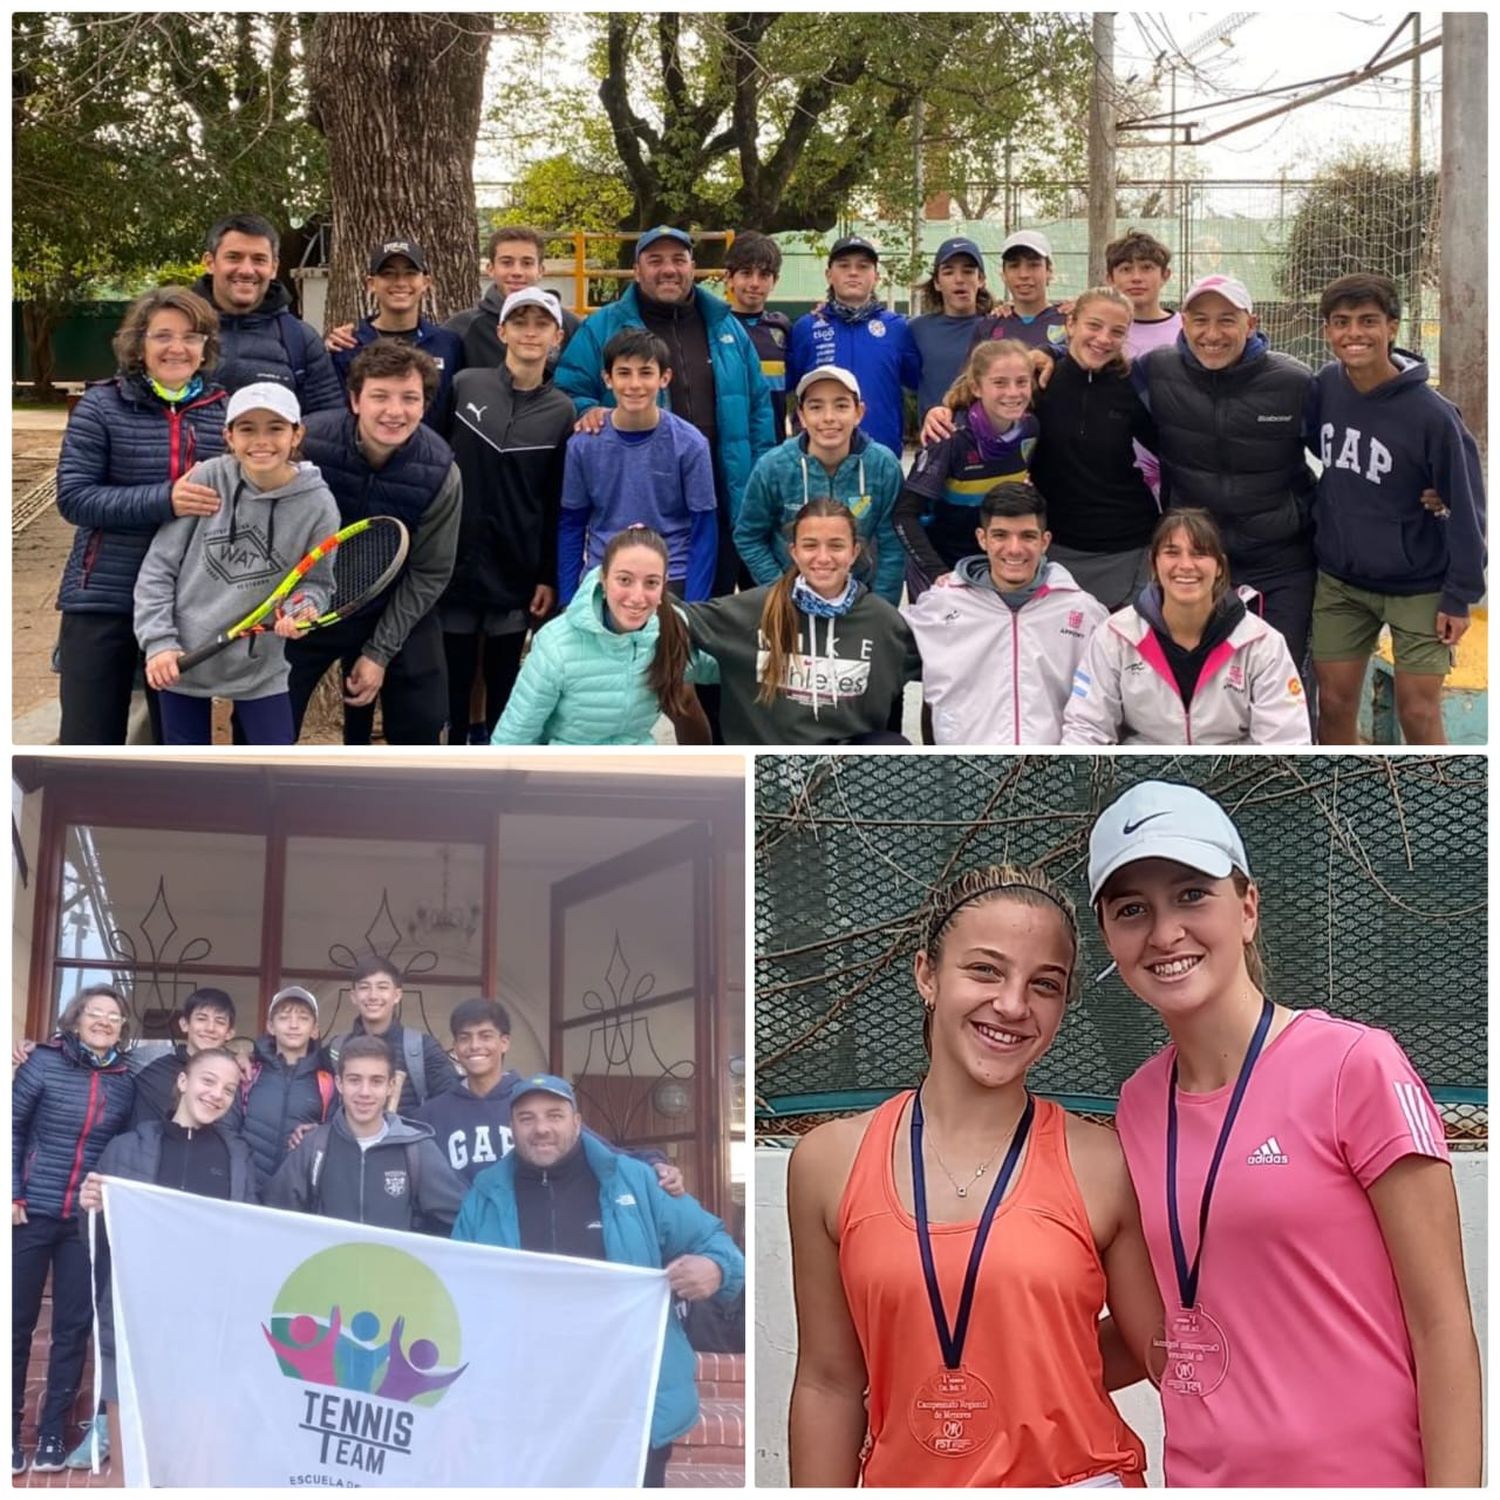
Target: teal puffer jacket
(742, 399)
(583, 683)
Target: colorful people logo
(317, 1340)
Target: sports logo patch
(1235, 677)
(1075, 619)
(1294, 687)
(877, 328)
(778, 336)
(1057, 334)
(395, 1183)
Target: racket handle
(190, 659)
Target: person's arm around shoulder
(1278, 702)
(537, 691)
(827, 1419)
(1095, 712)
(1133, 1299)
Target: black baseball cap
(853, 243)
(383, 250)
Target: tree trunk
(39, 322)
(398, 98)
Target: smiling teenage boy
(1384, 435)
(645, 466)
(829, 457)
(1139, 265)
(286, 1088)
(206, 1021)
(855, 331)
(396, 281)
(751, 267)
(1034, 319)
(955, 301)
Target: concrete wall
(776, 1328)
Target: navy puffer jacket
(66, 1106)
(273, 343)
(123, 449)
(280, 1097)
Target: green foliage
(1364, 213)
(559, 192)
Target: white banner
(258, 1347)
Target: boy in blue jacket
(1384, 435)
(644, 466)
(830, 457)
(564, 1192)
(397, 281)
(854, 331)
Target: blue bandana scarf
(810, 602)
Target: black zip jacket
(509, 446)
(1084, 460)
(681, 327)
(558, 1207)
(402, 1182)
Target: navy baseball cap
(383, 250)
(544, 1083)
(851, 244)
(958, 245)
(662, 232)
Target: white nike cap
(533, 296)
(264, 395)
(1164, 820)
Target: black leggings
(502, 664)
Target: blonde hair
(1020, 883)
(965, 390)
(1109, 294)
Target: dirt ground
(38, 554)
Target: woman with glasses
(126, 466)
(68, 1099)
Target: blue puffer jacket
(583, 683)
(65, 1108)
(273, 343)
(742, 399)
(123, 449)
(642, 1227)
(876, 347)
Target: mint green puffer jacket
(582, 683)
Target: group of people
(1272, 1229)
(1110, 533)
(378, 1125)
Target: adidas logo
(1267, 1154)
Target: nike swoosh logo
(1131, 827)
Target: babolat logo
(372, 1336)
(1275, 418)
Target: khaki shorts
(1346, 624)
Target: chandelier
(444, 923)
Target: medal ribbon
(952, 1343)
(1187, 1276)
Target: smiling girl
(814, 658)
(969, 1348)
(204, 572)
(1187, 663)
(994, 433)
(1294, 1187)
(604, 670)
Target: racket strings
(361, 564)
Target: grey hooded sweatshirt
(202, 574)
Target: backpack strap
(414, 1174)
(319, 1139)
(415, 1057)
(292, 339)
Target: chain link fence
(1373, 906)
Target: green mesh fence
(1373, 906)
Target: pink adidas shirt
(1319, 1386)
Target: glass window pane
(419, 903)
(150, 897)
(153, 998)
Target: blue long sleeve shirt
(665, 481)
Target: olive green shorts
(1346, 624)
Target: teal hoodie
(868, 482)
(742, 399)
(583, 683)
(642, 1227)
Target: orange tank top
(1032, 1339)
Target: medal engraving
(1196, 1352)
(953, 1413)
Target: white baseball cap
(264, 395)
(1230, 288)
(1164, 820)
(829, 372)
(533, 296)
(1028, 239)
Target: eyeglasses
(104, 1017)
(163, 340)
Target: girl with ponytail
(616, 659)
(814, 658)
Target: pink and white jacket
(1124, 692)
(994, 675)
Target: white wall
(27, 812)
(776, 1327)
